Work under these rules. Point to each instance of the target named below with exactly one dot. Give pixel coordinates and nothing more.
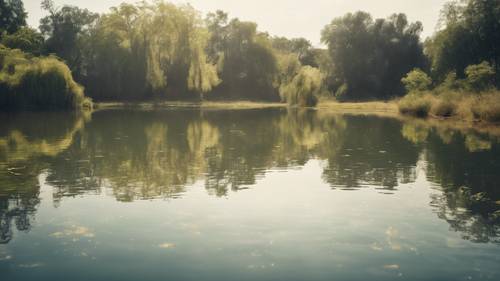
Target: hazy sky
(290, 18)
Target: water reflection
(137, 155)
(25, 140)
(464, 164)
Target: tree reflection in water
(25, 141)
(137, 155)
(464, 165)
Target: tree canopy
(469, 34)
(12, 16)
(371, 56)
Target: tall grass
(28, 82)
(415, 104)
(484, 106)
(487, 107)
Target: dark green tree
(469, 34)
(12, 16)
(26, 39)
(369, 58)
(246, 61)
(67, 30)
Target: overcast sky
(290, 18)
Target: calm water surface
(185, 194)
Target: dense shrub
(415, 105)
(487, 107)
(443, 108)
(480, 77)
(28, 82)
(416, 80)
(26, 39)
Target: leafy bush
(416, 81)
(304, 88)
(480, 76)
(28, 82)
(26, 39)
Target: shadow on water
(137, 155)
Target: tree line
(159, 50)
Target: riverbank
(374, 108)
(354, 107)
(481, 107)
(223, 105)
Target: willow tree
(176, 48)
(159, 48)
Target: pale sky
(290, 18)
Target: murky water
(185, 194)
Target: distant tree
(306, 54)
(67, 30)
(145, 50)
(26, 39)
(369, 58)
(247, 63)
(12, 16)
(469, 34)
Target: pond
(266, 194)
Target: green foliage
(26, 39)
(301, 47)
(480, 76)
(12, 16)
(247, 63)
(416, 81)
(304, 88)
(342, 91)
(148, 50)
(451, 82)
(28, 82)
(67, 30)
(371, 56)
(470, 34)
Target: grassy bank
(230, 105)
(359, 107)
(482, 107)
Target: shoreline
(358, 107)
(376, 108)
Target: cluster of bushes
(472, 98)
(28, 82)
